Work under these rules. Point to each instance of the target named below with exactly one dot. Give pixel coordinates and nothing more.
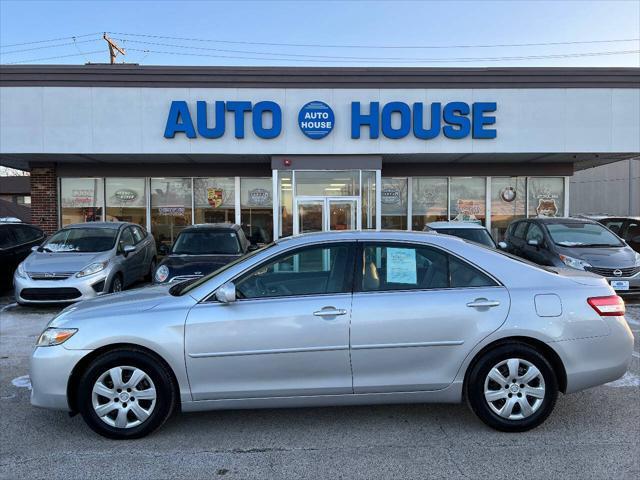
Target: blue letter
(405, 120)
(358, 119)
(479, 120)
(276, 115)
(239, 108)
(450, 116)
(179, 111)
(418, 119)
(203, 129)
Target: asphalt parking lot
(592, 434)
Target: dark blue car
(201, 249)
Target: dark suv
(16, 240)
(576, 243)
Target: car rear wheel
(512, 388)
(126, 394)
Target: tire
(122, 416)
(152, 269)
(117, 284)
(504, 408)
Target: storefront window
(394, 203)
(546, 197)
(126, 200)
(215, 200)
(467, 202)
(429, 201)
(328, 183)
(82, 200)
(256, 204)
(170, 208)
(368, 200)
(286, 203)
(508, 203)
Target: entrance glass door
(321, 214)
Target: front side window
(138, 234)
(82, 200)
(582, 235)
(126, 239)
(82, 240)
(410, 267)
(520, 229)
(207, 242)
(315, 270)
(535, 233)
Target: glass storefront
(308, 201)
(428, 201)
(508, 203)
(170, 208)
(126, 200)
(81, 200)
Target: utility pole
(114, 49)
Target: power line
(54, 58)
(299, 55)
(434, 60)
(49, 46)
(377, 46)
(50, 40)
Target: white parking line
(8, 306)
(636, 354)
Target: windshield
(582, 235)
(207, 242)
(477, 235)
(82, 240)
(185, 287)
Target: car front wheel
(126, 394)
(512, 388)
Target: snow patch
(628, 380)
(22, 382)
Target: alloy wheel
(514, 389)
(117, 285)
(124, 397)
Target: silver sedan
(338, 319)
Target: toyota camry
(338, 319)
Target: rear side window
(520, 229)
(410, 267)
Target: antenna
(114, 49)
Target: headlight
(55, 336)
(20, 271)
(574, 262)
(92, 268)
(162, 273)
(637, 259)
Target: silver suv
(85, 260)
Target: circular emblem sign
(316, 119)
(508, 194)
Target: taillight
(611, 306)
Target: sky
(324, 33)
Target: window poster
(401, 266)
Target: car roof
(212, 226)
(105, 225)
(552, 220)
(370, 235)
(456, 225)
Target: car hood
(196, 264)
(62, 262)
(112, 305)
(603, 257)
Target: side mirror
(226, 293)
(252, 247)
(35, 248)
(128, 249)
(533, 243)
(502, 245)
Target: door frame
(325, 209)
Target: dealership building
(291, 150)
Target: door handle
(483, 303)
(330, 312)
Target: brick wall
(44, 198)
